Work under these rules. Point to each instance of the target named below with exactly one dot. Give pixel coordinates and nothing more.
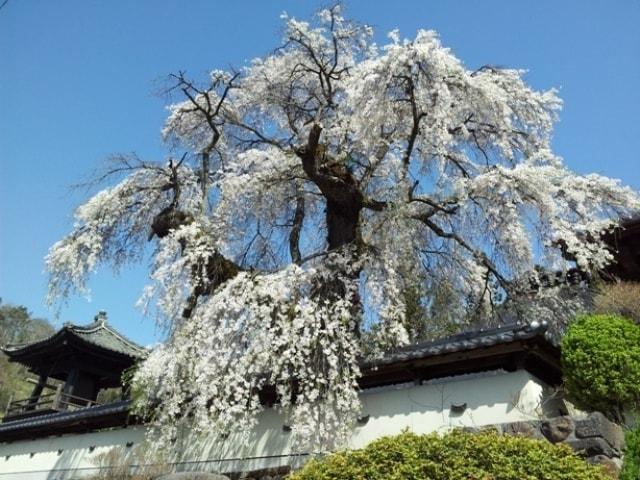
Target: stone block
(591, 447)
(557, 429)
(523, 429)
(612, 466)
(597, 425)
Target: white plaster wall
(491, 398)
(39, 459)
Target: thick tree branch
(296, 228)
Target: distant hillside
(17, 326)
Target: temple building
(624, 243)
(502, 376)
(71, 368)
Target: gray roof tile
(98, 333)
(462, 342)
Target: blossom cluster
(262, 339)
(454, 181)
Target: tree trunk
(339, 188)
(342, 223)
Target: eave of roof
(481, 338)
(97, 334)
(511, 347)
(106, 416)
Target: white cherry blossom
(313, 188)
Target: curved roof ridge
(18, 346)
(469, 340)
(93, 333)
(536, 326)
(105, 325)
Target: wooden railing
(46, 402)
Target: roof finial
(101, 317)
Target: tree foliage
(621, 298)
(454, 456)
(631, 466)
(17, 326)
(601, 363)
(305, 195)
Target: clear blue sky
(77, 79)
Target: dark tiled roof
(98, 333)
(463, 342)
(633, 221)
(82, 414)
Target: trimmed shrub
(631, 467)
(601, 363)
(454, 456)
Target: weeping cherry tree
(305, 193)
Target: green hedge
(455, 456)
(631, 467)
(601, 363)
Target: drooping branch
(210, 271)
(449, 206)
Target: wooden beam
(36, 382)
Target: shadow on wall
(66, 464)
(465, 401)
(268, 445)
(111, 463)
(80, 456)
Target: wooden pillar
(57, 398)
(37, 391)
(70, 383)
(82, 386)
(6, 412)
